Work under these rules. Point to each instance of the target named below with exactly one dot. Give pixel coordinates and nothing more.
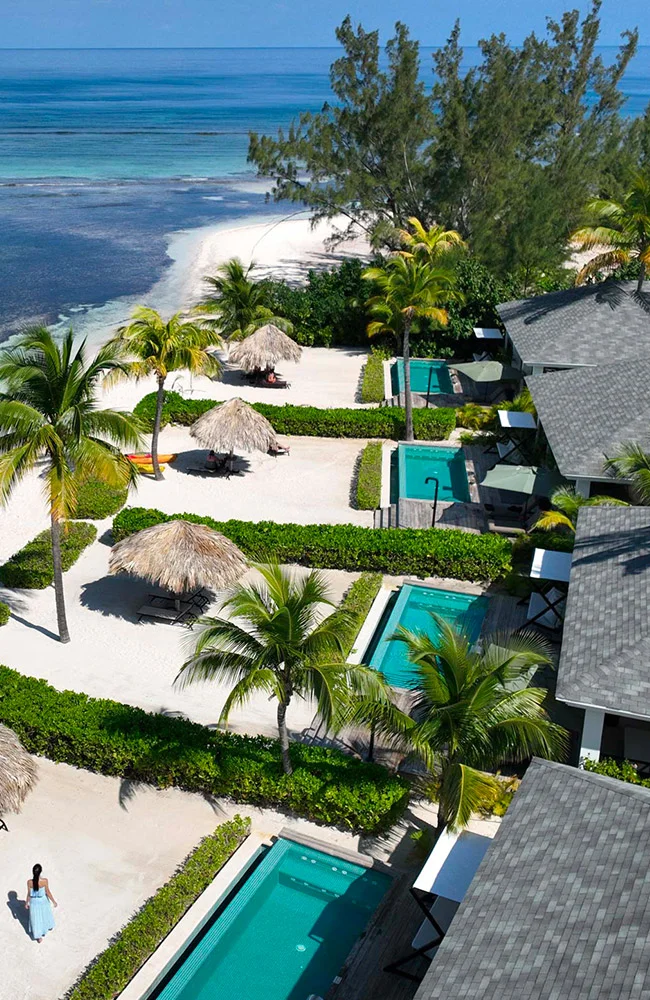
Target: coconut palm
(567, 504)
(621, 226)
(240, 305)
(277, 642)
(472, 713)
(429, 244)
(633, 463)
(49, 419)
(409, 289)
(158, 348)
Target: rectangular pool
(426, 376)
(417, 463)
(412, 608)
(285, 934)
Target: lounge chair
(282, 449)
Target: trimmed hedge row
(356, 604)
(409, 551)
(372, 382)
(136, 942)
(5, 613)
(369, 477)
(31, 568)
(106, 736)
(97, 500)
(310, 421)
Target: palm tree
(623, 227)
(160, 347)
(240, 305)
(472, 713)
(283, 647)
(633, 463)
(567, 504)
(429, 244)
(409, 289)
(49, 418)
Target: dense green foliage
(522, 552)
(136, 942)
(111, 738)
(369, 477)
(311, 421)
(31, 568)
(97, 500)
(624, 770)
(407, 552)
(5, 613)
(372, 381)
(356, 604)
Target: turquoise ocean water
(104, 153)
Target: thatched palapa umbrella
(180, 557)
(234, 426)
(18, 773)
(264, 348)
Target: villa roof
(605, 659)
(590, 325)
(587, 413)
(560, 906)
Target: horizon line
(221, 48)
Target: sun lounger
(280, 450)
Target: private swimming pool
(285, 934)
(417, 463)
(412, 607)
(426, 376)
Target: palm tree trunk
(160, 398)
(59, 597)
(408, 398)
(284, 737)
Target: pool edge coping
(371, 621)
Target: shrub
(327, 786)
(97, 500)
(372, 383)
(310, 421)
(522, 552)
(475, 417)
(623, 770)
(369, 477)
(31, 568)
(356, 604)
(5, 613)
(408, 551)
(136, 942)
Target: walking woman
(39, 903)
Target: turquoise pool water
(426, 376)
(419, 462)
(285, 934)
(413, 608)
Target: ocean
(106, 154)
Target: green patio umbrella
(488, 371)
(529, 479)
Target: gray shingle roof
(560, 906)
(591, 325)
(587, 413)
(605, 659)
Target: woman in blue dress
(39, 902)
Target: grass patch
(97, 500)
(31, 568)
(369, 477)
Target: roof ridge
(614, 784)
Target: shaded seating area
(258, 355)
(233, 426)
(550, 573)
(495, 378)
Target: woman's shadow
(18, 909)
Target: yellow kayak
(148, 469)
(146, 459)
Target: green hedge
(97, 500)
(407, 551)
(136, 942)
(356, 604)
(310, 421)
(5, 613)
(369, 477)
(111, 738)
(372, 382)
(623, 770)
(31, 567)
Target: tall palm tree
(158, 348)
(567, 504)
(409, 289)
(633, 463)
(49, 418)
(240, 305)
(278, 642)
(429, 244)
(472, 713)
(623, 227)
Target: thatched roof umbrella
(234, 426)
(180, 557)
(18, 772)
(264, 348)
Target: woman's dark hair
(36, 874)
